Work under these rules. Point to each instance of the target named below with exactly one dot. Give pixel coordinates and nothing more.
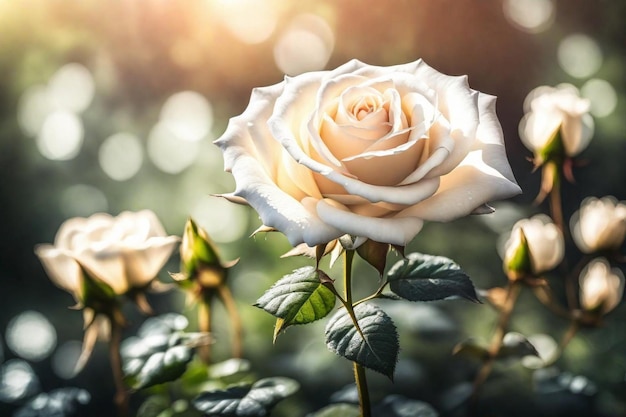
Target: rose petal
(61, 267)
(105, 264)
(144, 263)
(395, 231)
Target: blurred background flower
(112, 106)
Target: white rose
(600, 286)
(544, 242)
(600, 224)
(125, 252)
(549, 110)
(367, 151)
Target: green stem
(235, 320)
(204, 325)
(121, 395)
(359, 371)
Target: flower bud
(556, 123)
(599, 225)
(601, 287)
(535, 246)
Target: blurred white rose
(552, 110)
(535, 246)
(600, 224)
(125, 252)
(367, 151)
(601, 288)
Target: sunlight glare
(306, 45)
(121, 156)
(250, 21)
(61, 136)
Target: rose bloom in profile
(121, 254)
(601, 287)
(367, 151)
(599, 225)
(556, 110)
(535, 246)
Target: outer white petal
(61, 267)
(483, 176)
(144, 262)
(396, 231)
(105, 264)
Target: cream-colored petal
(144, 262)
(106, 264)
(388, 230)
(61, 267)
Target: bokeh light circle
(306, 45)
(17, 380)
(31, 336)
(33, 108)
(250, 21)
(579, 55)
(64, 360)
(188, 115)
(168, 152)
(602, 96)
(532, 16)
(223, 221)
(82, 200)
(61, 136)
(71, 88)
(121, 156)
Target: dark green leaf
(338, 410)
(375, 346)
(422, 277)
(160, 353)
(399, 406)
(298, 298)
(62, 402)
(254, 400)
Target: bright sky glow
(250, 21)
(121, 156)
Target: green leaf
(399, 406)
(338, 410)
(298, 298)
(422, 277)
(160, 353)
(375, 346)
(254, 400)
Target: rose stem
(513, 291)
(204, 325)
(121, 395)
(235, 320)
(556, 210)
(359, 372)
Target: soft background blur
(113, 105)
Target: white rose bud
(125, 252)
(556, 111)
(367, 151)
(601, 287)
(535, 246)
(599, 225)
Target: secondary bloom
(601, 287)
(557, 120)
(535, 246)
(97, 258)
(124, 252)
(600, 224)
(367, 151)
